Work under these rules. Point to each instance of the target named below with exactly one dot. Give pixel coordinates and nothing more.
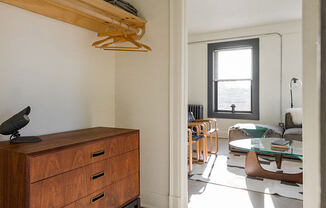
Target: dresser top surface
(64, 139)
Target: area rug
(228, 170)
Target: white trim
(178, 184)
(149, 199)
(311, 103)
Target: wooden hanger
(115, 33)
(131, 50)
(114, 40)
(138, 47)
(96, 43)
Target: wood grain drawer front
(123, 144)
(68, 187)
(129, 143)
(98, 176)
(112, 196)
(54, 163)
(99, 199)
(124, 190)
(124, 165)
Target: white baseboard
(223, 134)
(154, 200)
(176, 202)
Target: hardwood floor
(202, 194)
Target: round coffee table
(263, 145)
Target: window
(233, 79)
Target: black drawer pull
(97, 175)
(97, 197)
(96, 154)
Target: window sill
(237, 115)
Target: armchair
(293, 124)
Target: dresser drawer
(125, 190)
(99, 199)
(66, 188)
(124, 165)
(98, 175)
(54, 163)
(123, 144)
(112, 196)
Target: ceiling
(217, 15)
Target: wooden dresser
(97, 168)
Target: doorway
(245, 87)
(311, 92)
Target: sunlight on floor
(216, 196)
(268, 201)
(204, 195)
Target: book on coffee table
(281, 144)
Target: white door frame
(178, 183)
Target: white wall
(311, 104)
(292, 67)
(142, 101)
(51, 66)
(272, 99)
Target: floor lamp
(294, 83)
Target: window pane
(233, 64)
(234, 92)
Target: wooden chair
(211, 130)
(195, 135)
